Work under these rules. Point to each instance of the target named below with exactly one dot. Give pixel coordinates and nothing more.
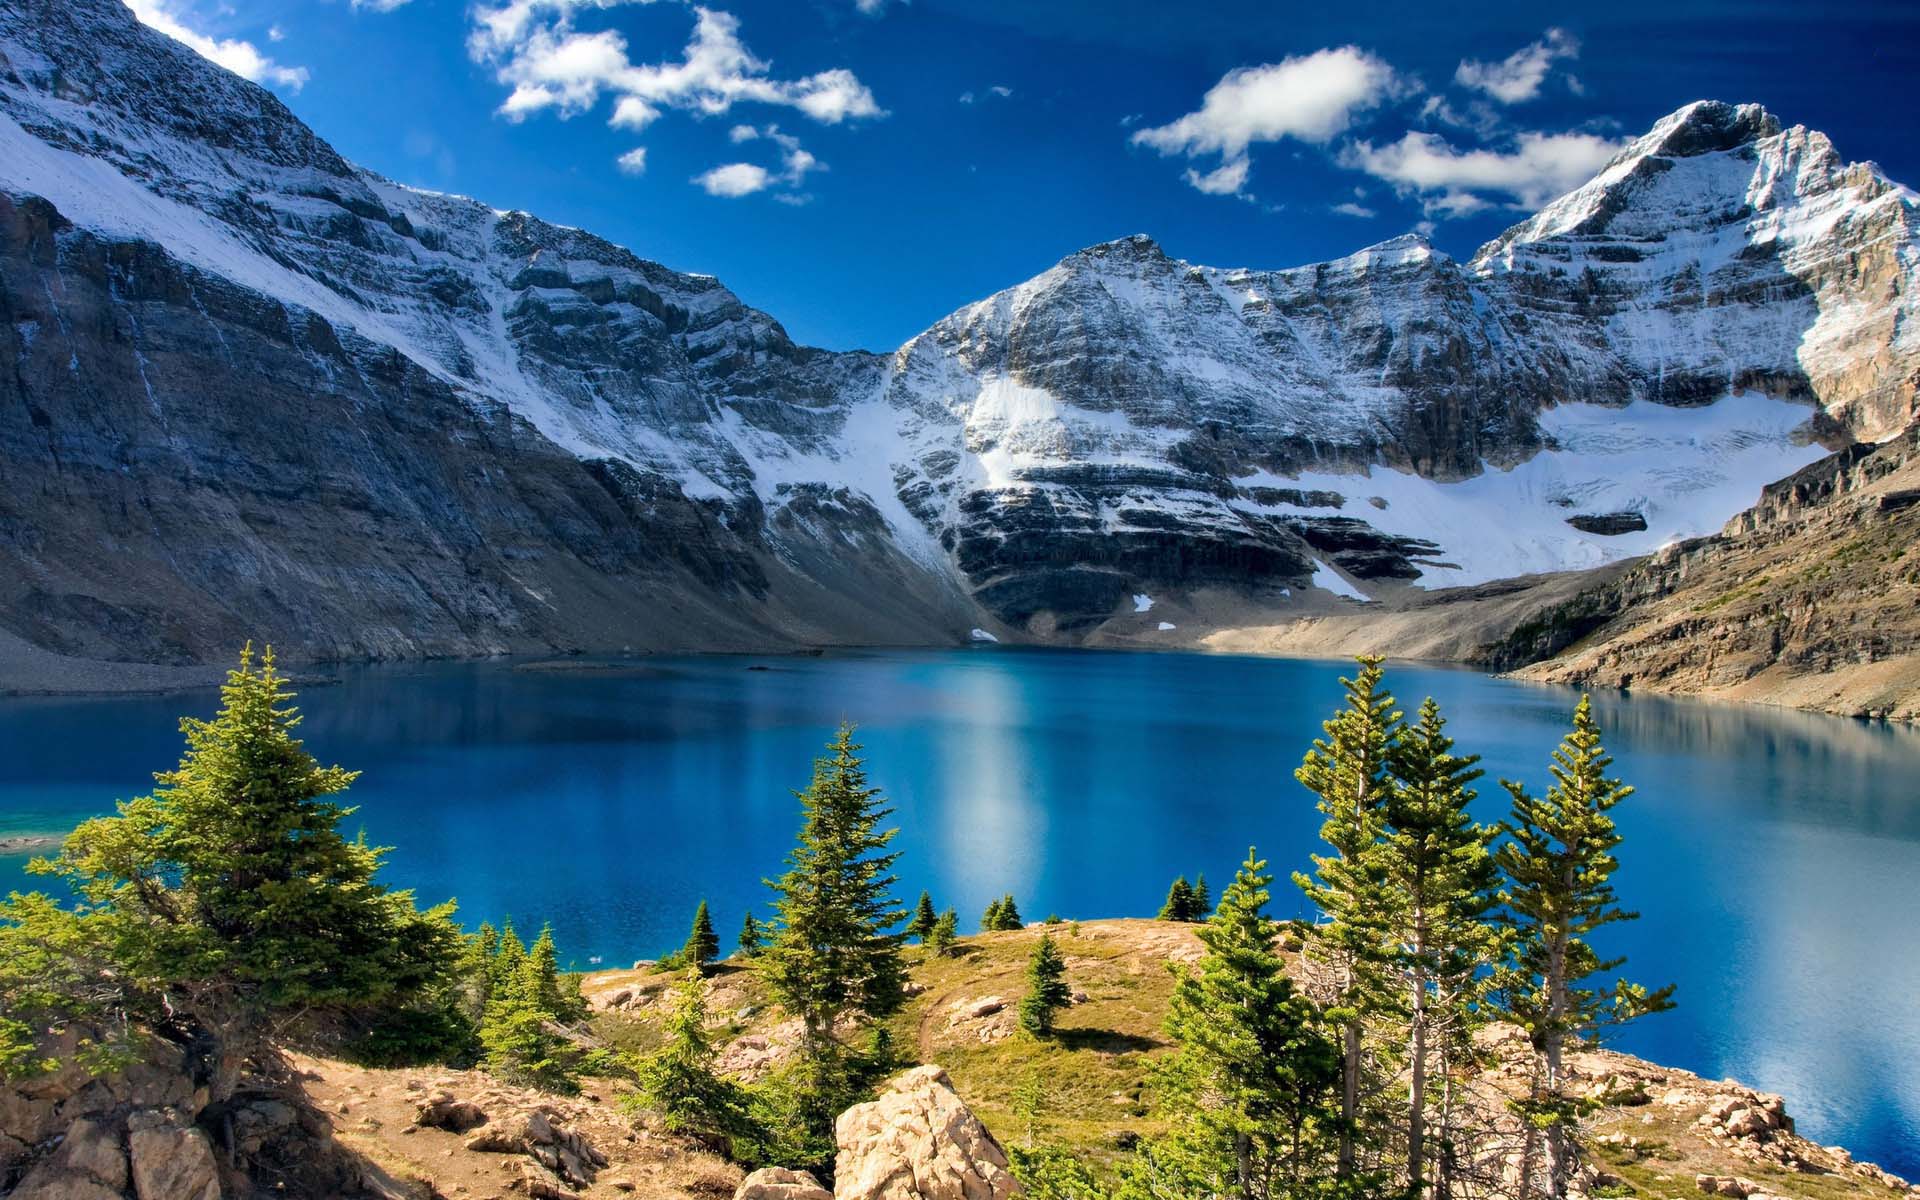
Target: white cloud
(1453, 182)
(1313, 98)
(741, 179)
(380, 5)
(1354, 209)
(1227, 179)
(1517, 77)
(735, 179)
(276, 34)
(996, 92)
(241, 57)
(549, 64)
(633, 162)
(873, 8)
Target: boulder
(918, 1141)
(171, 1160)
(89, 1165)
(778, 1183)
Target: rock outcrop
(778, 1183)
(140, 1132)
(918, 1141)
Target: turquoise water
(1775, 856)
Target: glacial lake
(1775, 856)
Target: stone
(443, 1110)
(973, 1010)
(918, 1141)
(778, 1183)
(170, 1160)
(88, 1165)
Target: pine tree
(517, 1033)
(1047, 990)
(1347, 770)
(1559, 865)
(703, 945)
(475, 970)
(1251, 1093)
(923, 918)
(750, 937)
(833, 954)
(940, 938)
(990, 919)
(544, 962)
(1445, 884)
(229, 896)
(1179, 902)
(509, 958)
(1202, 898)
(678, 1081)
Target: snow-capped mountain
(260, 391)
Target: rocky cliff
(259, 391)
(1811, 598)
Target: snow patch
(981, 635)
(1142, 602)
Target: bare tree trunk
(1417, 1088)
(1349, 1096)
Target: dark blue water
(1775, 856)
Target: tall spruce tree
(1441, 872)
(1202, 897)
(228, 898)
(1252, 1093)
(1559, 865)
(702, 945)
(1348, 770)
(751, 937)
(1047, 991)
(834, 954)
(923, 918)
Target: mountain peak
(1705, 127)
(1134, 248)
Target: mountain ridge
(501, 434)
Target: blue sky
(860, 168)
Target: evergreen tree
(475, 969)
(703, 945)
(990, 919)
(228, 898)
(1202, 898)
(517, 1033)
(833, 954)
(544, 962)
(509, 958)
(1348, 771)
(1047, 990)
(678, 1081)
(1001, 915)
(1559, 865)
(1251, 1093)
(923, 918)
(750, 937)
(1179, 902)
(1445, 884)
(940, 938)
